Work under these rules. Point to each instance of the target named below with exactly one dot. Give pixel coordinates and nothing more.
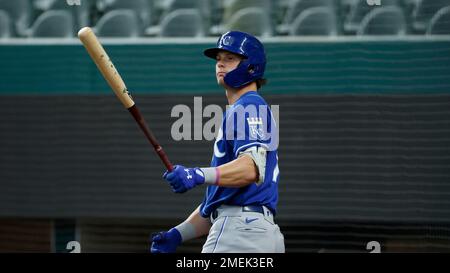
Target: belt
(253, 209)
(258, 209)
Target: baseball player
(241, 196)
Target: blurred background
(200, 18)
(363, 88)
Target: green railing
(296, 67)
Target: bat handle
(158, 149)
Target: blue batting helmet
(254, 63)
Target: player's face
(226, 62)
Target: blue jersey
(248, 122)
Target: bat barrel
(105, 65)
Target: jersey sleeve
(251, 125)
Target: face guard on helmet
(252, 67)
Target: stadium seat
(53, 23)
(118, 23)
(142, 8)
(102, 4)
(314, 21)
(164, 8)
(19, 12)
(201, 5)
(410, 5)
(231, 7)
(42, 4)
(187, 4)
(358, 10)
(296, 7)
(182, 23)
(383, 21)
(80, 13)
(250, 20)
(440, 22)
(5, 25)
(424, 11)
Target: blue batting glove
(166, 242)
(182, 179)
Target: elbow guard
(258, 154)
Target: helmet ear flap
(251, 69)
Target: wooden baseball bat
(112, 76)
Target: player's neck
(234, 94)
